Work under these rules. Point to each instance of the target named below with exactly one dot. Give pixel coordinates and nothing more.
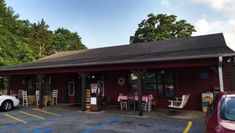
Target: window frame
(163, 83)
(71, 83)
(156, 83)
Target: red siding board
(188, 80)
(16, 83)
(227, 76)
(115, 67)
(190, 83)
(59, 82)
(111, 86)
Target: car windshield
(228, 108)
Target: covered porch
(163, 81)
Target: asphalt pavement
(64, 120)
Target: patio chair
(37, 97)
(54, 97)
(147, 106)
(179, 102)
(124, 104)
(25, 98)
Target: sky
(102, 23)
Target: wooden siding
(118, 67)
(188, 81)
(17, 83)
(60, 83)
(227, 76)
(112, 88)
(233, 77)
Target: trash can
(207, 99)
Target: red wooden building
(168, 69)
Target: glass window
(134, 86)
(149, 81)
(166, 88)
(132, 79)
(149, 77)
(150, 86)
(228, 108)
(71, 88)
(46, 84)
(168, 77)
(30, 87)
(162, 82)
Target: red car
(220, 117)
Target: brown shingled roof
(207, 46)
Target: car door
(211, 117)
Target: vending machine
(95, 98)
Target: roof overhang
(128, 61)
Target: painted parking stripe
(36, 116)
(37, 130)
(113, 119)
(47, 112)
(15, 118)
(188, 127)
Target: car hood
(6, 96)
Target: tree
(64, 40)
(161, 27)
(13, 46)
(41, 40)
(23, 42)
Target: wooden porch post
(139, 73)
(8, 84)
(40, 84)
(83, 76)
(220, 70)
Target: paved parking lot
(64, 120)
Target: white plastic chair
(55, 97)
(123, 105)
(147, 106)
(37, 97)
(179, 103)
(25, 98)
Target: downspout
(220, 69)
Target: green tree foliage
(23, 42)
(13, 48)
(64, 40)
(161, 27)
(41, 41)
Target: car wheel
(7, 105)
